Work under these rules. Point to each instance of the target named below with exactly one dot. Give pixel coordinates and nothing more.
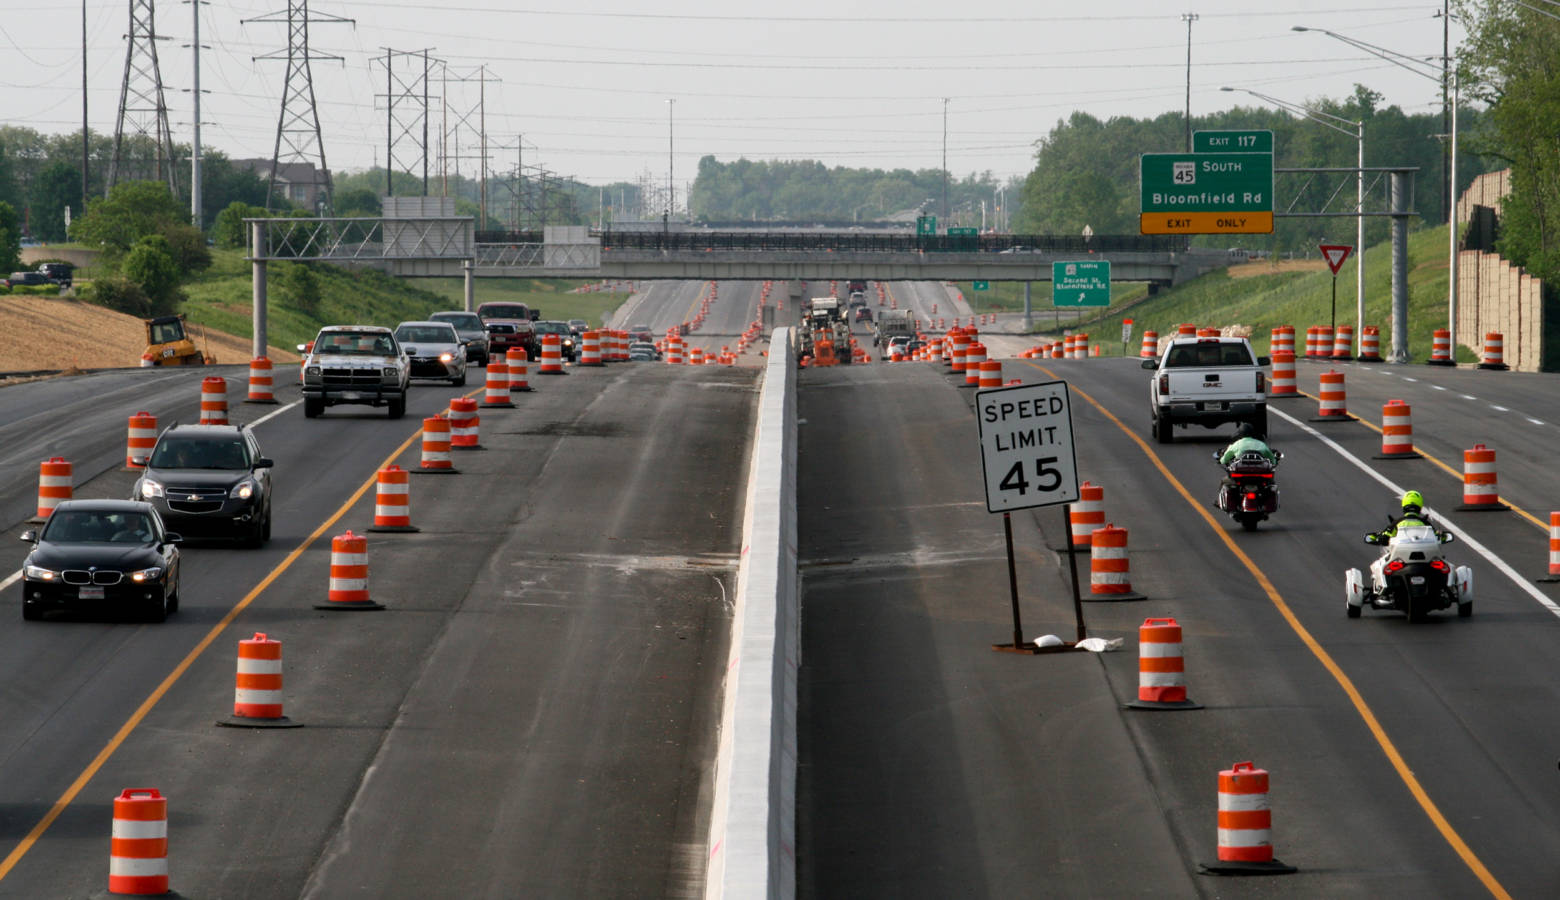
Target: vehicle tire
(173, 601)
(1414, 611)
(1464, 610)
(1259, 425)
(158, 613)
(1164, 432)
(1352, 610)
(459, 380)
(397, 407)
(1249, 522)
(312, 407)
(265, 533)
(31, 612)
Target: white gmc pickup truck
(1207, 381)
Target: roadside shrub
(120, 294)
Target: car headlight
(243, 490)
(446, 357)
(311, 373)
(38, 573)
(145, 575)
(150, 489)
(390, 372)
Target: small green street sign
(964, 238)
(925, 224)
(963, 231)
(980, 285)
(1083, 283)
(1232, 142)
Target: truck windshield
(1196, 355)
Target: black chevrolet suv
(209, 481)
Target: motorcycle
(1411, 576)
(1248, 494)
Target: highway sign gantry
(1080, 283)
(1206, 193)
(1026, 446)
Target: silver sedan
(435, 349)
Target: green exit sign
(980, 285)
(1082, 283)
(1232, 142)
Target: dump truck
(168, 344)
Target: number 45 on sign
(1026, 446)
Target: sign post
(1027, 458)
(1335, 254)
(1126, 335)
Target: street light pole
(1335, 123)
(945, 161)
(1425, 70)
(1189, 18)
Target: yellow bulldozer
(168, 344)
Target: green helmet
(1413, 500)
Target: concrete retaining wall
(1494, 295)
(752, 836)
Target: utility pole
(945, 212)
(1189, 18)
(195, 158)
(298, 127)
(86, 151)
(141, 98)
(671, 186)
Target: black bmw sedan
(112, 556)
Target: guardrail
(752, 836)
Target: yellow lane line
(1447, 468)
(1449, 833)
(151, 701)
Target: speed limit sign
(1026, 446)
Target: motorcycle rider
(1246, 441)
(1413, 504)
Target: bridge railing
(700, 241)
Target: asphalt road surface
(532, 715)
(1406, 760)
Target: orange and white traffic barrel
(495, 393)
(1059, 350)
(1554, 548)
(1161, 667)
(674, 352)
(1397, 431)
(991, 373)
(213, 401)
(552, 356)
(1494, 351)
(138, 844)
(142, 437)
(961, 351)
(54, 484)
(590, 348)
(1207, 332)
(1186, 329)
(1085, 515)
(1333, 404)
(465, 424)
(1094, 349)
(1283, 381)
(260, 381)
(348, 574)
(1110, 577)
(1150, 347)
(1441, 348)
(257, 690)
(696, 356)
(436, 447)
(1480, 490)
(1343, 343)
(1245, 824)
(973, 357)
(518, 365)
(1370, 344)
(1324, 341)
(1310, 342)
(393, 500)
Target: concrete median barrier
(753, 822)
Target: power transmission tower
(141, 103)
(469, 118)
(298, 138)
(406, 112)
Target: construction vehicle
(168, 344)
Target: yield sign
(1335, 254)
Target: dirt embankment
(55, 333)
(1270, 266)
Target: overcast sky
(586, 82)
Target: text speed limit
(1026, 446)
